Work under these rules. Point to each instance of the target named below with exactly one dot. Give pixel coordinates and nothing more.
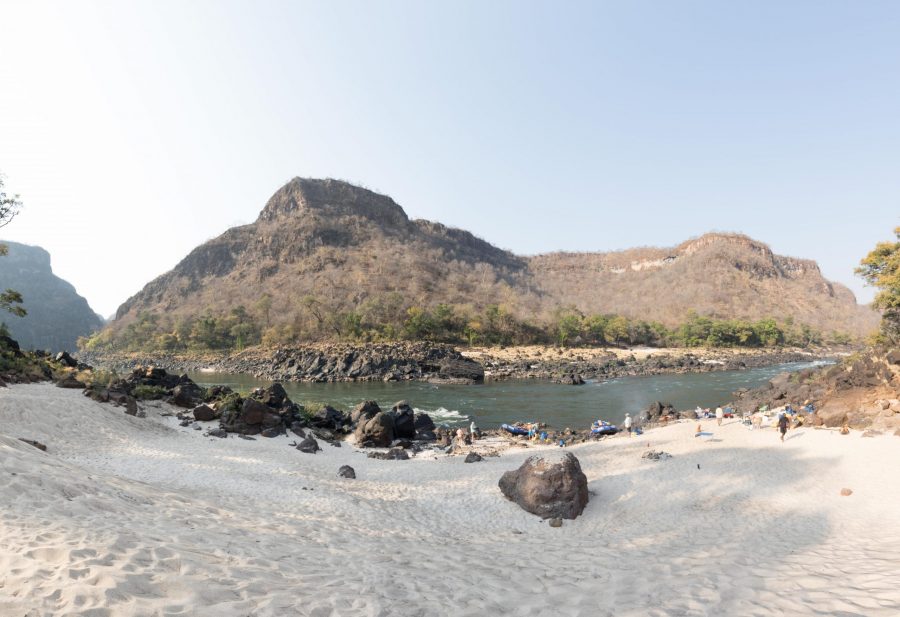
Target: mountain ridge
(351, 249)
(57, 315)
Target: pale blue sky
(136, 130)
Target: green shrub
(144, 393)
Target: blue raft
(604, 428)
(515, 430)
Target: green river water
(496, 402)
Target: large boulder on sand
(377, 432)
(549, 484)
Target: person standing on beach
(473, 429)
(783, 425)
(628, 423)
(719, 415)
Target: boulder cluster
(269, 412)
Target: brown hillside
(342, 245)
(718, 275)
(344, 248)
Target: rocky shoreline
(445, 364)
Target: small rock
(394, 454)
(846, 492)
(653, 455)
(217, 432)
(309, 445)
(36, 444)
(204, 413)
(473, 457)
(556, 522)
(70, 382)
(346, 471)
(274, 431)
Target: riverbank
(436, 363)
(132, 516)
(555, 363)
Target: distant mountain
(57, 315)
(323, 247)
(718, 275)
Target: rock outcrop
(862, 391)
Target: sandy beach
(140, 516)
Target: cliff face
(719, 275)
(352, 249)
(57, 315)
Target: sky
(135, 131)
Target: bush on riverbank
(457, 325)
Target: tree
(10, 300)
(9, 207)
(881, 269)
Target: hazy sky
(136, 130)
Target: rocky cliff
(718, 275)
(57, 315)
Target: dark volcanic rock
(473, 457)
(659, 409)
(205, 413)
(272, 396)
(346, 471)
(394, 454)
(461, 369)
(329, 418)
(377, 432)
(253, 412)
(65, 359)
(423, 422)
(404, 420)
(364, 411)
(309, 445)
(217, 432)
(70, 382)
(187, 394)
(551, 485)
(571, 379)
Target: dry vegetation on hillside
(329, 260)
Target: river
(496, 402)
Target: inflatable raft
(515, 430)
(604, 428)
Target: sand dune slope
(132, 516)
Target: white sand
(130, 516)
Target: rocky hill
(723, 276)
(57, 315)
(325, 248)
